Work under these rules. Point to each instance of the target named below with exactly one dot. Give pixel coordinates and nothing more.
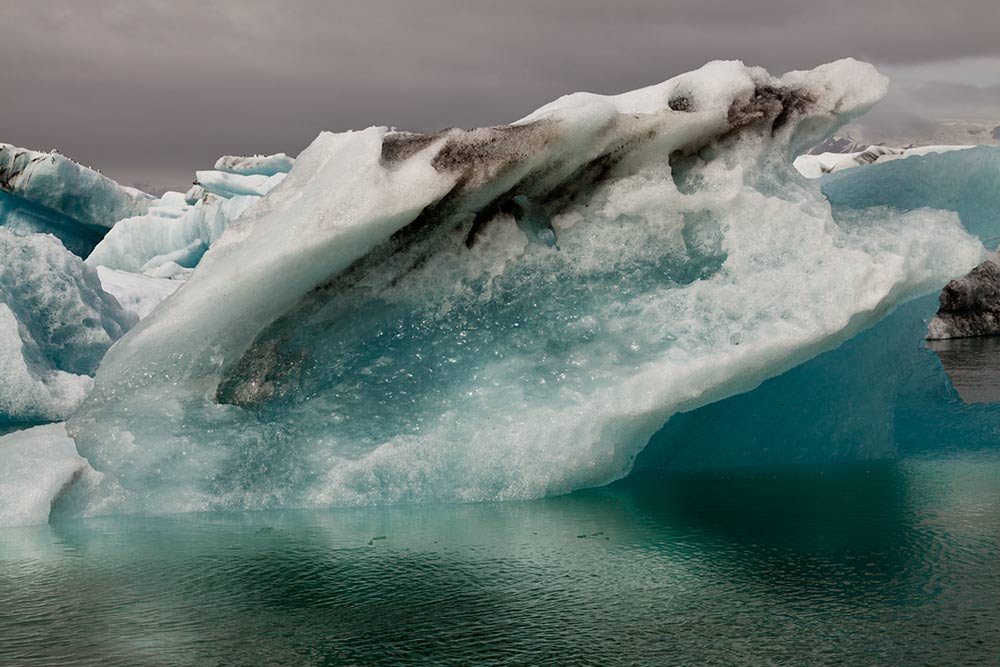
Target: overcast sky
(148, 91)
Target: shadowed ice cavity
(883, 394)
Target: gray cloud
(151, 90)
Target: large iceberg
(56, 323)
(379, 327)
(49, 193)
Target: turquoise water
(882, 563)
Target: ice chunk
(229, 185)
(814, 166)
(172, 236)
(30, 390)
(265, 165)
(46, 192)
(39, 464)
(56, 323)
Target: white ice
(814, 166)
(56, 323)
(39, 464)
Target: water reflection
(799, 566)
(972, 365)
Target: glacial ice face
(48, 193)
(171, 238)
(56, 323)
(379, 329)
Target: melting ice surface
(379, 328)
(389, 324)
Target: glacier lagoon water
(878, 563)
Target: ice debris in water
(371, 332)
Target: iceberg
(378, 328)
(49, 193)
(56, 323)
(169, 240)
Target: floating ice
(39, 464)
(379, 329)
(169, 240)
(233, 185)
(264, 165)
(56, 323)
(814, 166)
(48, 193)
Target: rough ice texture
(56, 323)
(170, 239)
(39, 464)
(379, 329)
(970, 306)
(46, 192)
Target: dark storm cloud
(151, 91)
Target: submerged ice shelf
(388, 323)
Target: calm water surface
(894, 563)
